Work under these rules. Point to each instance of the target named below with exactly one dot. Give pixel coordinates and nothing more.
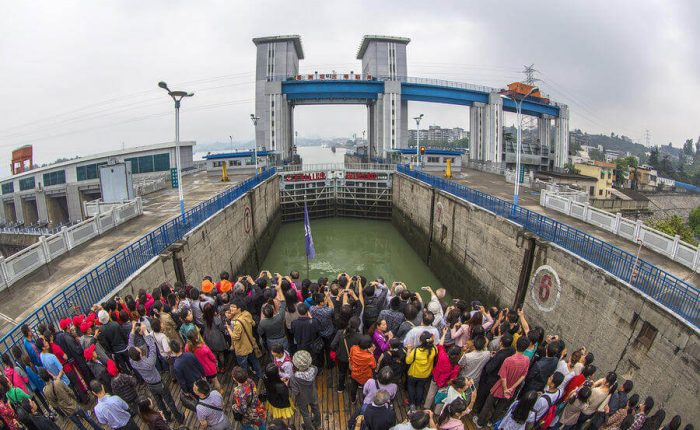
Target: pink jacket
(207, 358)
(16, 379)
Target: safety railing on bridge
(441, 83)
(95, 285)
(678, 296)
(336, 166)
(49, 247)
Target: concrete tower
(277, 59)
(384, 57)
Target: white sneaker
(475, 418)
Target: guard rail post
(66, 238)
(45, 250)
(3, 269)
(675, 246)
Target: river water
(357, 246)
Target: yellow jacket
(421, 362)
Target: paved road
(496, 185)
(23, 297)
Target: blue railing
(99, 282)
(675, 294)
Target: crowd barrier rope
(680, 297)
(96, 284)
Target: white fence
(16, 266)
(527, 178)
(635, 231)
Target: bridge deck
(496, 185)
(335, 407)
(24, 296)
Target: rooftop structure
(294, 38)
(55, 194)
(375, 38)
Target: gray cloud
(623, 66)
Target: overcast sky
(77, 77)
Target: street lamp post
(255, 141)
(519, 142)
(177, 96)
(418, 118)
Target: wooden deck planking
(335, 407)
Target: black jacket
(112, 338)
(379, 417)
(338, 345)
(538, 374)
(306, 330)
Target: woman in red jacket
(446, 369)
(196, 345)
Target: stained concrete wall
(235, 239)
(479, 255)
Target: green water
(356, 246)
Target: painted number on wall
(247, 222)
(545, 288)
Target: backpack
(546, 420)
(371, 311)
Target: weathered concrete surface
(497, 186)
(11, 243)
(235, 239)
(23, 297)
(667, 204)
(480, 256)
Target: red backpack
(546, 420)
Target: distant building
(236, 162)
(643, 178)
(605, 175)
(55, 194)
(612, 155)
(580, 182)
(434, 159)
(435, 134)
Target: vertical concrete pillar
(41, 207)
(476, 132)
(372, 140)
(277, 59)
(561, 138)
(390, 113)
(19, 212)
(493, 136)
(3, 218)
(544, 130)
(379, 126)
(75, 207)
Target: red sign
(367, 176)
(305, 177)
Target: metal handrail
(336, 166)
(678, 296)
(95, 285)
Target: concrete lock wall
(236, 239)
(479, 255)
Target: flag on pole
(310, 251)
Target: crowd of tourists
(275, 335)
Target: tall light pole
(231, 139)
(255, 140)
(177, 96)
(519, 142)
(418, 118)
